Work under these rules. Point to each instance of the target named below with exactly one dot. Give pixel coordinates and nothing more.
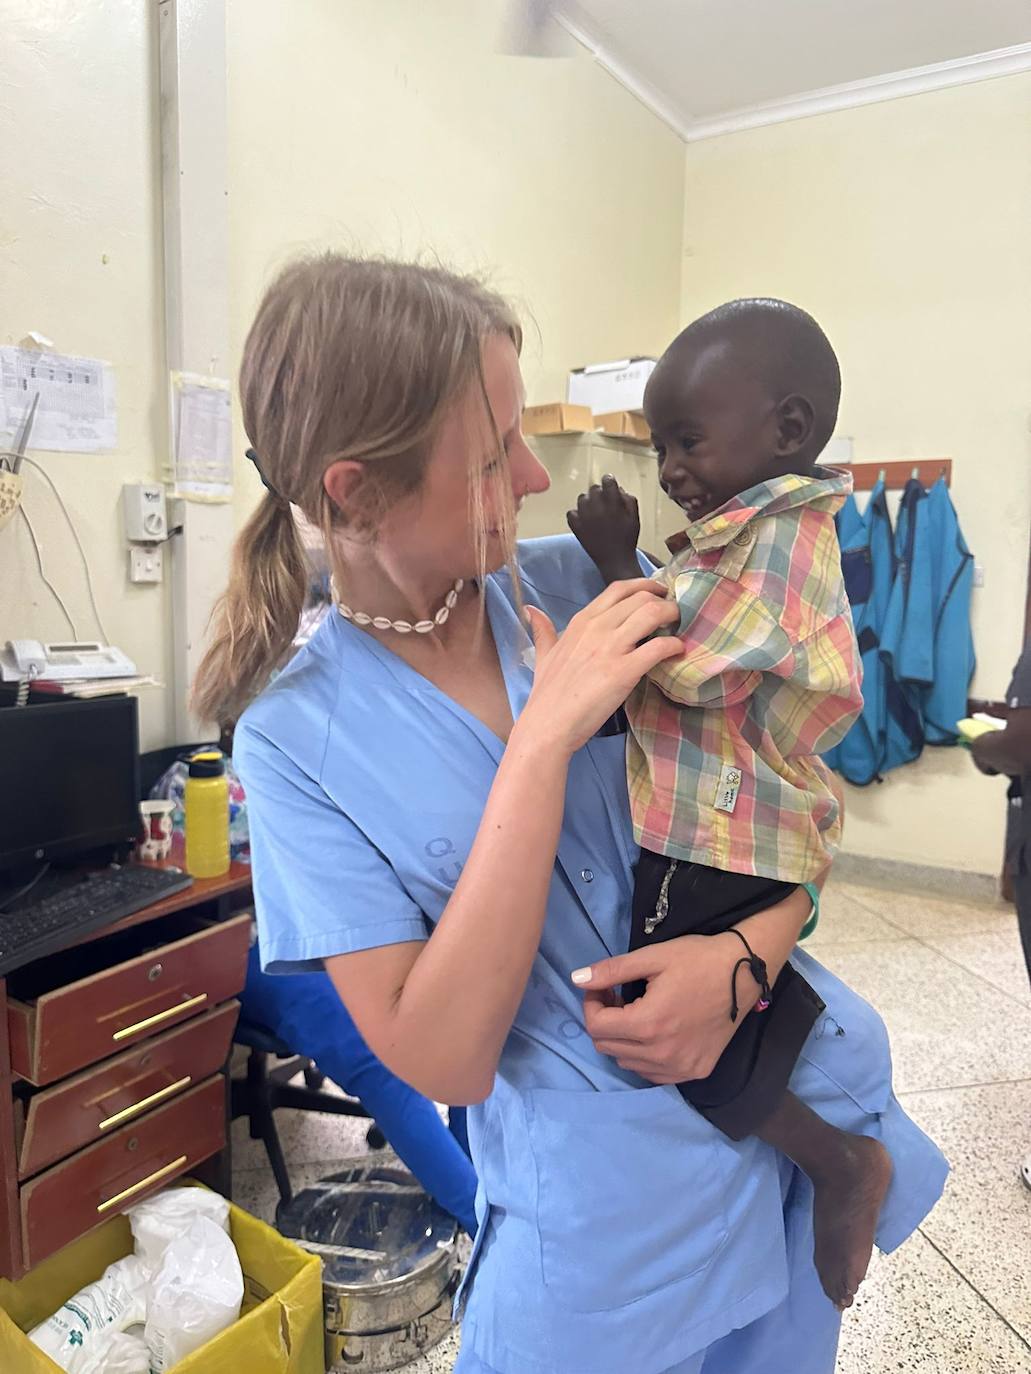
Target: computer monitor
(69, 779)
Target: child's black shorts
(753, 1071)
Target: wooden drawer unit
(93, 1104)
(71, 1198)
(79, 1007)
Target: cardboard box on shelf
(625, 424)
(606, 387)
(280, 1330)
(557, 419)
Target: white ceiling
(699, 61)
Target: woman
(441, 817)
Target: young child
(731, 805)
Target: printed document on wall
(202, 437)
(76, 411)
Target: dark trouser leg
(1022, 893)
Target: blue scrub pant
(305, 1011)
(800, 1335)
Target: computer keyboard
(43, 926)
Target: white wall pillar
(194, 140)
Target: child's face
(714, 426)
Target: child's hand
(607, 523)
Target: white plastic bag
(121, 1354)
(165, 1216)
(79, 1329)
(195, 1293)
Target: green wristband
(814, 916)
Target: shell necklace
(403, 627)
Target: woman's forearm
(442, 1023)
(773, 934)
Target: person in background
(306, 1013)
(1008, 752)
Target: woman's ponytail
(256, 619)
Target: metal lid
(373, 1227)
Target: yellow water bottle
(206, 804)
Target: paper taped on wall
(76, 411)
(202, 437)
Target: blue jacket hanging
(907, 637)
(944, 701)
(867, 564)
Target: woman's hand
(583, 676)
(679, 1028)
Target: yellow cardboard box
(280, 1330)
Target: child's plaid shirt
(722, 758)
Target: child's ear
(795, 417)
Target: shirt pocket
(630, 1190)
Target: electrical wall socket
(145, 564)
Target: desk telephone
(28, 658)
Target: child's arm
(608, 525)
(726, 649)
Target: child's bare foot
(848, 1196)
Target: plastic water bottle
(206, 803)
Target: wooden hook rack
(866, 475)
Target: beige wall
(80, 260)
(397, 127)
(905, 228)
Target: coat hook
(915, 475)
(882, 475)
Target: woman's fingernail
(581, 975)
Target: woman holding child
(439, 815)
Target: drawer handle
(156, 1020)
(144, 1103)
(147, 1182)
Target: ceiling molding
(917, 81)
(850, 94)
(597, 44)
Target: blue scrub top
(620, 1229)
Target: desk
(113, 1057)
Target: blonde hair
(347, 358)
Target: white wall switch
(146, 564)
(978, 574)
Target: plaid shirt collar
(732, 519)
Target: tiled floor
(950, 982)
